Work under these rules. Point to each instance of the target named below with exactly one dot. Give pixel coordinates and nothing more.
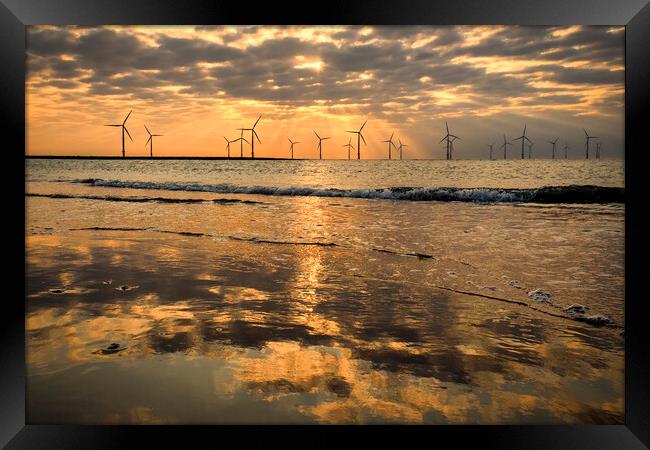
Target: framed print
(391, 215)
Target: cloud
(400, 74)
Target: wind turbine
(228, 142)
(253, 136)
(449, 141)
(587, 137)
(400, 148)
(451, 147)
(566, 147)
(491, 145)
(349, 146)
(292, 144)
(553, 143)
(359, 139)
(241, 144)
(390, 144)
(150, 140)
(123, 125)
(320, 145)
(530, 149)
(523, 138)
(598, 150)
(504, 146)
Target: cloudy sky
(196, 84)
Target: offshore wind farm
(325, 225)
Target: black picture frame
(16, 14)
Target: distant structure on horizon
(491, 145)
(448, 137)
(401, 146)
(523, 138)
(123, 125)
(292, 144)
(390, 144)
(349, 146)
(504, 146)
(253, 136)
(151, 140)
(359, 139)
(553, 144)
(320, 145)
(587, 137)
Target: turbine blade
(226, 139)
(351, 131)
(364, 141)
(317, 135)
(442, 139)
(145, 144)
(256, 136)
(127, 117)
(391, 136)
(364, 124)
(258, 119)
(112, 125)
(127, 132)
(145, 127)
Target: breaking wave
(549, 194)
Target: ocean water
(325, 291)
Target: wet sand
(214, 331)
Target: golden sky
(195, 85)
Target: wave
(111, 198)
(548, 194)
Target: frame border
(634, 14)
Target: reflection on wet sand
(292, 334)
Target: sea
(333, 291)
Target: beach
(459, 292)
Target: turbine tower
(390, 144)
(320, 145)
(349, 146)
(491, 145)
(598, 150)
(566, 147)
(504, 146)
(359, 139)
(523, 139)
(530, 149)
(292, 144)
(123, 125)
(553, 143)
(587, 137)
(150, 140)
(253, 136)
(449, 141)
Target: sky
(197, 84)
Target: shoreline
(152, 158)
